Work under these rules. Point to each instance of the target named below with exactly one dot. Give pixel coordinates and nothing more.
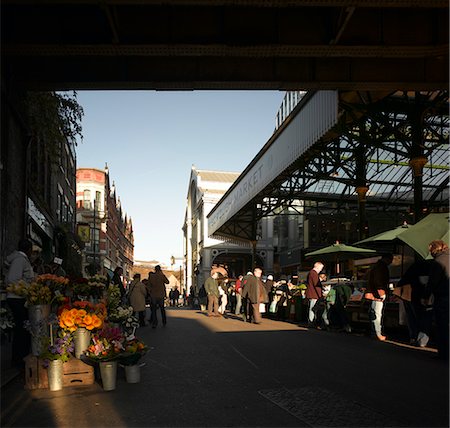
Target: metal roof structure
(336, 143)
(226, 44)
(217, 176)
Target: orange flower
(74, 312)
(87, 319)
(96, 321)
(82, 312)
(69, 322)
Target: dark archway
(237, 263)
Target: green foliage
(54, 116)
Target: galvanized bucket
(108, 371)
(55, 375)
(133, 373)
(81, 340)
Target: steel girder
(327, 172)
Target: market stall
(78, 329)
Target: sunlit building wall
(105, 229)
(201, 251)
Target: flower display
(39, 294)
(133, 352)
(92, 286)
(130, 325)
(60, 349)
(19, 288)
(107, 344)
(120, 314)
(54, 282)
(113, 297)
(81, 287)
(97, 284)
(82, 314)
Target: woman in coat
(137, 294)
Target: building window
(58, 207)
(87, 199)
(98, 196)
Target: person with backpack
(157, 285)
(137, 294)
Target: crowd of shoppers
(252, 298)
(423, 291)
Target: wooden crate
(35, 374)
(75, 372)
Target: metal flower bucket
(55, 375)
(38, 313)
(38, 317)
(108, 371)
(133, 373)
(81, 340)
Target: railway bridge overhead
(226, 44)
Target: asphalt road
(216, 372)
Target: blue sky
(151, 139)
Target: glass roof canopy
(371, 145)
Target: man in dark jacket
(255, 292)
(378, 287)
(157, 287)
(439, 283)
(212, 291)
(313, 290)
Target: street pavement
(222, 372)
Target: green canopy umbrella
(387, 236)
(337, 252)
(418, 236)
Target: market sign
(84, 232)
(315, 118)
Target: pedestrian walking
(377, 291)
(223, 292)
(338, 311)
(212, 291)
(157, 284)
(248, 312)
(202, 298)
(255, 292)
(19, 268)
(412, 289)
(232, 297)
(268, 285)
(175, 296)
(238, 288)
(117, 279)
(137, 294)
(313, 291)
(329, 294)
(439, 285)
(281, 296)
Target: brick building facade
(102, 225)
